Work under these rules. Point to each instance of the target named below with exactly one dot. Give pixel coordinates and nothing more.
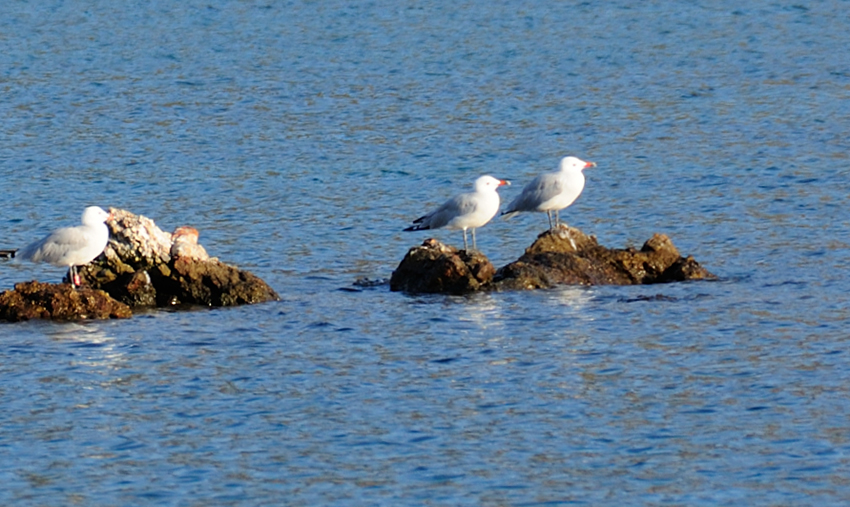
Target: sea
(301, 136)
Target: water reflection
(81, 332)
(93, 347)
(485, 310)
(574, 298)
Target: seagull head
(94, 215)
(489, 183)
(575, 164)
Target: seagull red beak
(590, 164)
(504, 182)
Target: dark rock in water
(144, 266)
(36, 300)
(565, 256)
(438, 268)
(646, 298)
(212, 283)
(135, 289)
(568, 256)
(685, 268)
(368, 283)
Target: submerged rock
(565, 256)
(145, 266)
(36, 300)
(438, 268)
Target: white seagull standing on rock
(72, 246)
(465, 211)
(552, 191)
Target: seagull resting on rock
(465, 211)
(72, 246)
(552, 191)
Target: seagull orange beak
(504, 182)
(590, 164)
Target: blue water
(301, 137)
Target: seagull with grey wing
(465, 211)
(552, 191)
(72, 246)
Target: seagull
(72, 246)
(465, 211)
(552, 191)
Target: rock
(145, 266)
(212, 283)
(136, 241)
(565, 256)
(368, 283)
(438, 268)
(135, 289)
(568, 256)
(685, 268)
(36, 300)
(185, 244)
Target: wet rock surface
(568, 256)
(36, 300)
(437, 268)
(145, 266)
(565, 256)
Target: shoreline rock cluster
(144, 266)
(563, 256)
(141, 267)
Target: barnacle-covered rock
(145, 266)
(36, 300)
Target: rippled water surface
(301, 137)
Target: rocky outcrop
(145, 266)
(36, 300)
(438, 268)
(565, 256)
